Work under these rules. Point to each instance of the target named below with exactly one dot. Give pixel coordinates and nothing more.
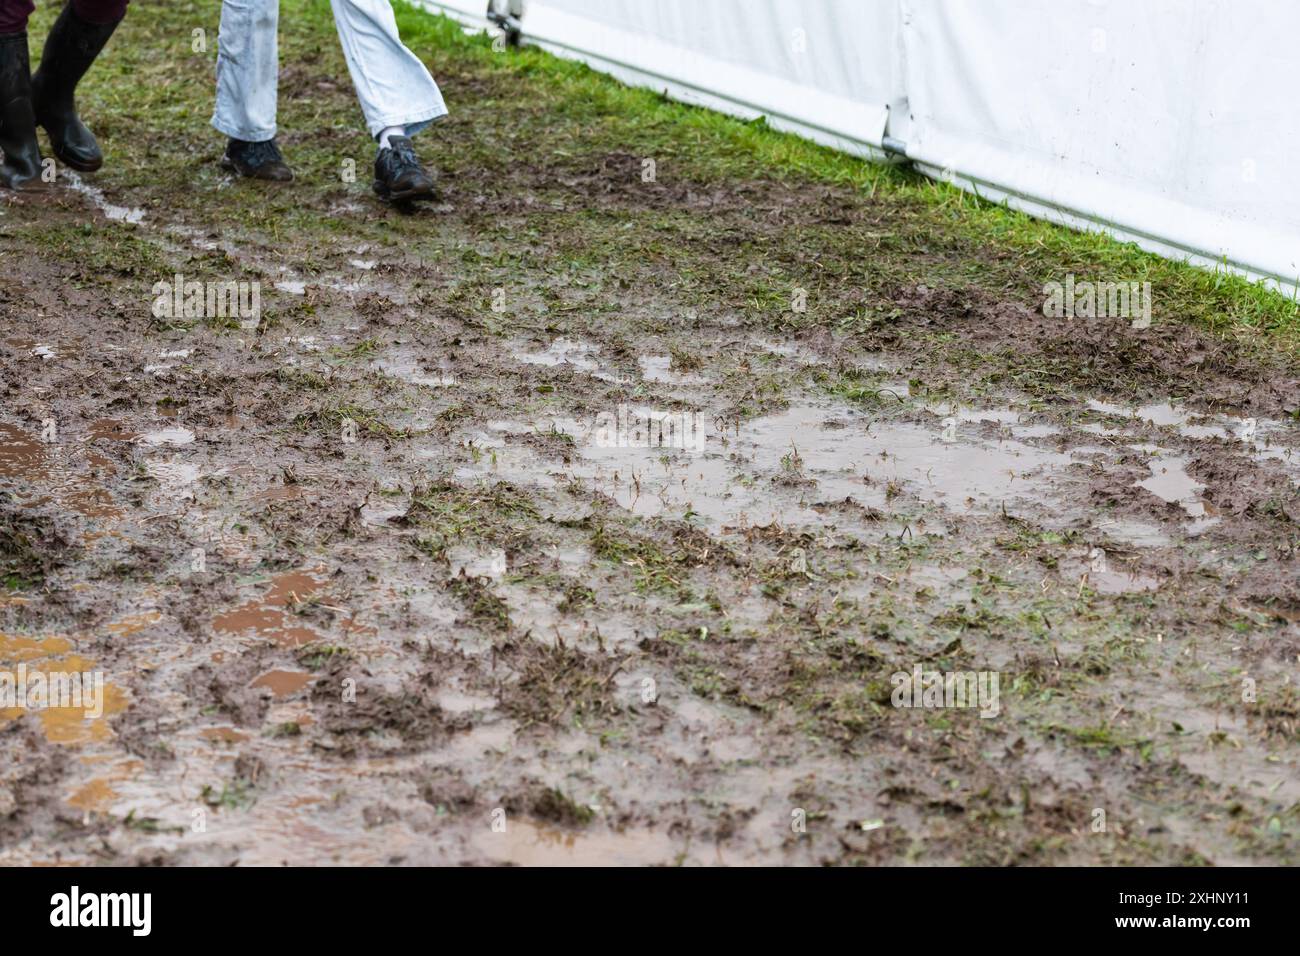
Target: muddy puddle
(633, 569)
(530, 844)
(792, 467)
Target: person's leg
(22, 154)
(248, 66)
(398, 96)
(393, 86)
(75, 41)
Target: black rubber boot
(73, 44)
(22, 154)
(399, 176)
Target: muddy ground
(366, 579)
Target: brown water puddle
(133, 623)
(22, 455)
(111, 429)
(273, 615)
(69, 724)
(282, 683)
(98, 794)
(51, 469)
(225, 735)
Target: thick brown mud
(393, 576)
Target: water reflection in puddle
(774, 468)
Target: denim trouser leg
(392, 84)
(248, 66)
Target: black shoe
(256, 160)
(22, 154)
(70, 49)
(399, 177)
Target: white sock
(390, 131)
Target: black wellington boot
(22, 155)
(73, 44)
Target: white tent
(1165, 122)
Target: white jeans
(392, 84)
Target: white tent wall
(1165, 122)
(1168, 122)
(821, 69)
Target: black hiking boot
(399, 177)
(256, 160)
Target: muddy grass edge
(1026, 250)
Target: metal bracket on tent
(895, 146)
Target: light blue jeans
(392, 84)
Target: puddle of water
(1121, 582)
(53, 468)
(79, 721)
(409, 368)
(133, 623)
(796, 352)
(98, 793)
(133, 216)
(454, 701)
(381, 514)
(171, 435)
(656, 368)
(1137, 533)
(1034, 431)
(21, 455)
(526, 843)
(1169, 481)
(272, 616)
(1259, 439)
(474, 563)
(774, 468)
(225, 735)
(174, 476)
(560, 352)
(282, 683)
(1000, 416)
(110, 429)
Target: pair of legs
(47, 99)
(398, 96)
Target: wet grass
(151, 95)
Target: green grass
(151, 95)
(717, 147)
